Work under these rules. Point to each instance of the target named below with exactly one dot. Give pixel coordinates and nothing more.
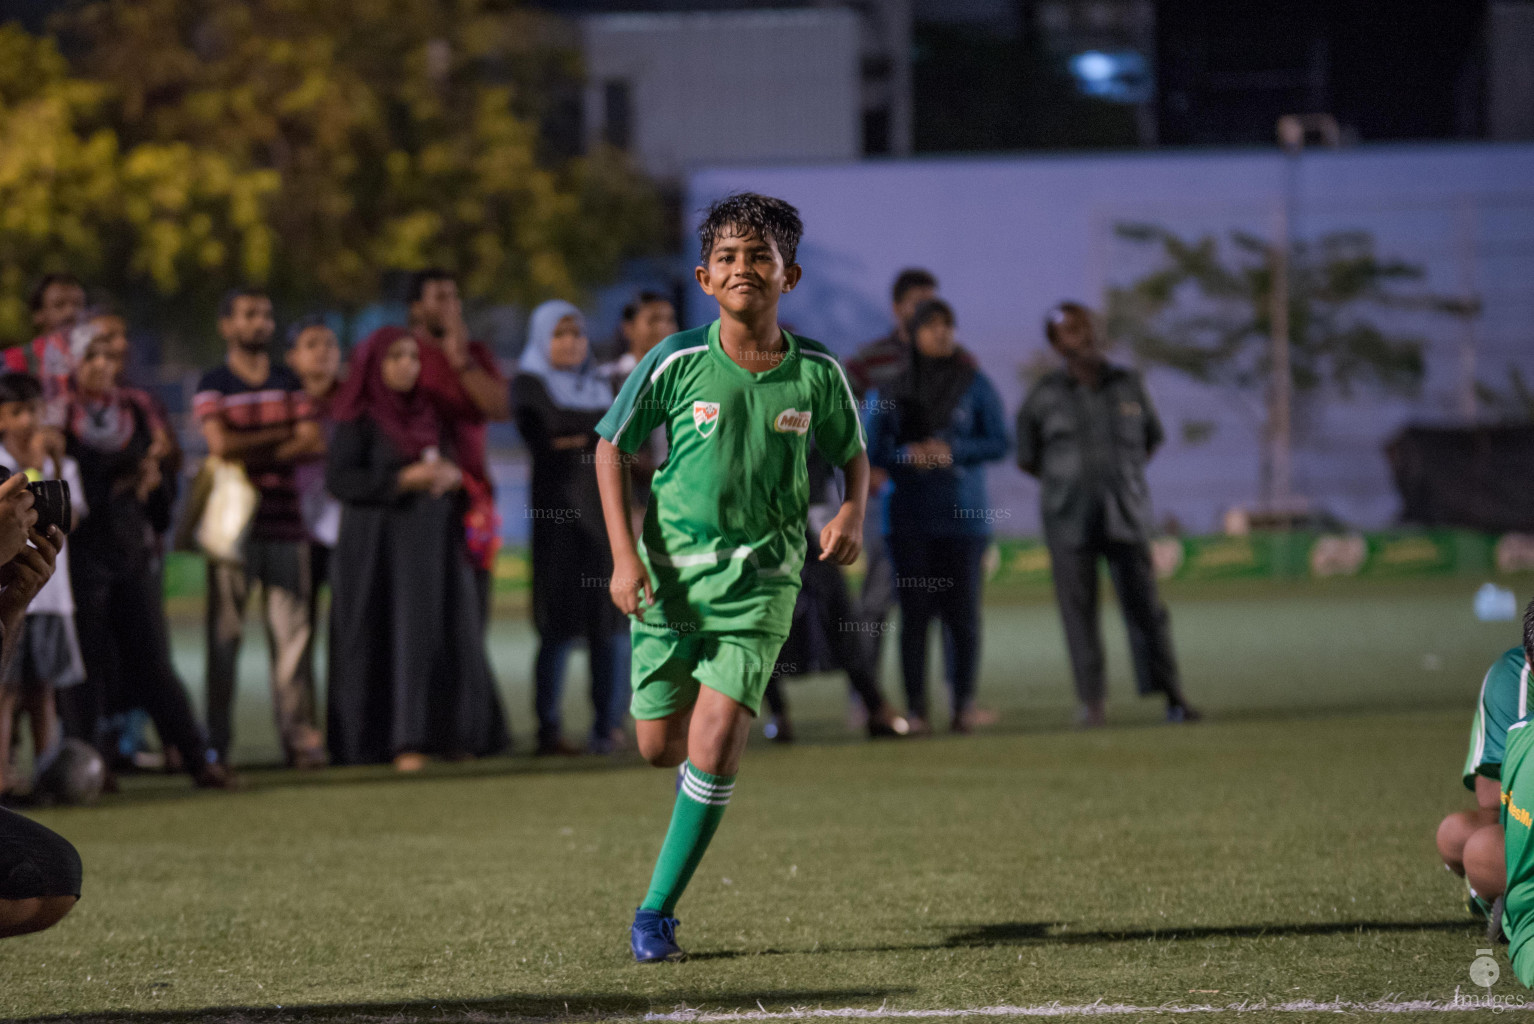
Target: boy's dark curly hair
(751, 213)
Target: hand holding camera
(26, 573)
(51, 505)
(17, 515)
(30, 510)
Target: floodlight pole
(1280, 383)
(1292, 131)
(1468, 404)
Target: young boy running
(711, 587)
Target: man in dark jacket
(1086, 431)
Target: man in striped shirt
(257, 413)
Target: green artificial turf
(1281, 851)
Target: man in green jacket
(1086, 431)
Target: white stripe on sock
(692, 774)
(713, 794)
(699, 793)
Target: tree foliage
(307, 146)
(1205, 311)
(72, 197)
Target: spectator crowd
(372, 480)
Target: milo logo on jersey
(792, 421)
(705, 416)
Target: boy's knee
(1453, 831)
(663, 751)
(52, 910)
(24, 917)
(1484, 861)
(1456, 829)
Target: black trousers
(35, 862)
(120, 618)
(826, 597)
(938, 578)
(319, 576)
(1145, 617)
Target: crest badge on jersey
(705, 416)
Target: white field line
(1104, 1009)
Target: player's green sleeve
(837, 425)
(640, 406)
(1504, 699)
(1477, 745)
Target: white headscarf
(580, 388)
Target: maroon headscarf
(409, 420)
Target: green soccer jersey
(724, 531)
(1504, 700)
(1517, 805)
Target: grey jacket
(1089, 447)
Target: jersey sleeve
(1503, 701)
(208, 400)
(838, 427)
(640, 407)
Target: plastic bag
(224, 526)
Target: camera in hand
(50, 500)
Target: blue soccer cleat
(653, 938)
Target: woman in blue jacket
(933, 431)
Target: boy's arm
(842, 539)
(630, 581)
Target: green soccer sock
(700, 804)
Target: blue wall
(1009, 236)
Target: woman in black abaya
(408, 672)
(559, 397)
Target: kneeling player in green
(1470, 842)
(1517, 819)
(712, 582)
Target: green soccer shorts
(669, 665)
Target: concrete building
(678, 90)
(665, 79)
